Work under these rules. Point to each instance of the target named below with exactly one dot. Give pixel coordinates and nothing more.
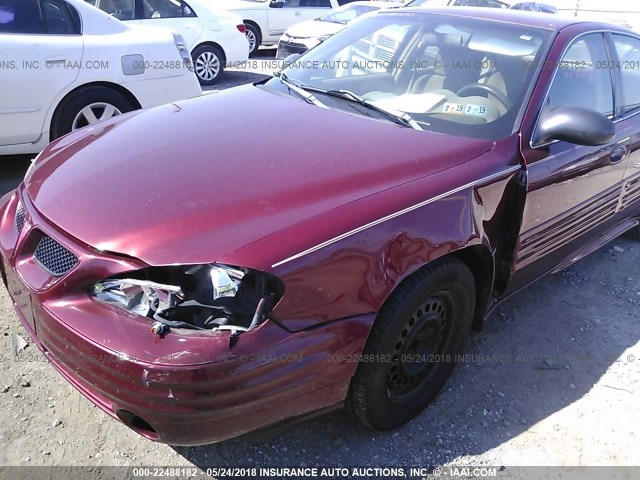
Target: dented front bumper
(186, 388)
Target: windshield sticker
(462, 109)
(453, 108)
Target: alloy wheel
(251, 37)
(207, 66)
(94, 113)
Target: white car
(65, 64)
(267, 20)
(213, 36)
(306, 35)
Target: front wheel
(413, 345)
(208, 62)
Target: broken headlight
(205, 297)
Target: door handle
(52, 62)
(298, 13)
(618, 154)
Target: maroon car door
(573, 191)
(626, 49)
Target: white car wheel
(94, 113)
(208, 62)
(253, 37)
(89, 106)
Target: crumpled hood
(194, 181)
(314, 29)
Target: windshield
(451, 74)
(347, 13)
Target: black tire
(252, 30)
(434, 306)
(633, 234)
(69, 109)
(208, 63)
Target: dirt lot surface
(553, 380)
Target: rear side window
(628, 50)
(60, 18)
(166, 9)
(315, 4)
(55, 17)
(120, 9)
(21, 16)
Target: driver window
(628, 50)
(580, 80)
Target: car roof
(530, 19)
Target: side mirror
(291, 59)
(576, 125)
(276, 3)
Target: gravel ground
(552, 380)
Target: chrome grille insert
(53, 257)
(20, 217)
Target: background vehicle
(66, 65)
(458, 3)
(535, 7)
(305, 35)
(267, 20)
(213, 37)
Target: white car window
(54, 17)
(307, 4)
(21, 16)
(166, 9)
(60, 18)
(120, 9)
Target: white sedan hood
(314, 29)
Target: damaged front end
(196, 297)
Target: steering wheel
(482, 88)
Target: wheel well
(211, 44)
(113, 86)
(479, 260)
(253, 24)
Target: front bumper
(186, 388)
(289, 47)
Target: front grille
(20, 217)
(53, 257)
(285, 49)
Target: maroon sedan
(199, 281)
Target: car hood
(314, 29)
(193, 181)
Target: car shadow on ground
(539, 352)
(12, 170)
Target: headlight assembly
(203, 297)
